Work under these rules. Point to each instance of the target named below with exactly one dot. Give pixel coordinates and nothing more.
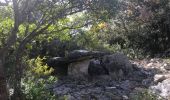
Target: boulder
(162, 88)
(77, 54)
(80, 54)
(159, 78)
(95, 68)
(117, 62)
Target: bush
(37, 81)
(144, 94)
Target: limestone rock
(159, 78)
(77, 54)
(163, 88)
(167, 66)
(117, 62)
(79, 69)
(95, 68)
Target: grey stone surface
(95, 68)
(79, 69)
(162, 88)
(117, 62)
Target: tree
(23, 9)
(35, 17)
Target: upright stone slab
(79, 69)
(79, 62)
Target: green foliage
(5, 27)
(38, 81)
(106, 9)
(144, 95)
(6, 12)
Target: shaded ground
(148, 74)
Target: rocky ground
(150, 80)
(160, 68)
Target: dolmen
(83, 63)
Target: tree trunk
(3, 84)
(18, 94)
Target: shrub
(144, 94)
(37, 81)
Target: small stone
(147, 82)
(162, 68)
(159, 78)
(125, 97)
(62, 90)
(165, 64)
(167, 67)
(149, 65)
(152, 60)
(110, 87)
(126, 85)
